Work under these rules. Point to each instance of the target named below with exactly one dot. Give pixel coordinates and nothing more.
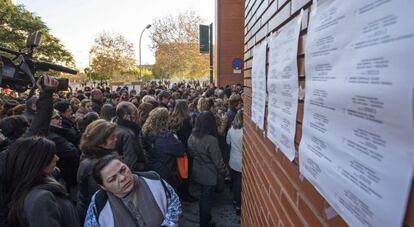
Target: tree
(175, 42)
(113, 57)
(16, 23)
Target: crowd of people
(102, 157)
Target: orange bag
(182, 166)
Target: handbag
(182, 166)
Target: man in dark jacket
(129, 143)
(164, 99)
(71, 132)
(97, 100)
(67, 152)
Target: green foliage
(112, 57)
(16, 23)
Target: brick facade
(229, 39)
(274, 193)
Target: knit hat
(61, 106)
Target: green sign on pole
(204, 39)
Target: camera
(18, 73)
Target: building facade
(274, 191)
(229, 42)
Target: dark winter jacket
(207, 160)
(29, 114)
(96, 106)
(44, 206)
(68, 155)
(129, 144)
(185, 131)
(41, 120)
(72, 133)
(162, 151)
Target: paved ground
(223, 212)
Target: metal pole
(90, 68)
(211, 53)
(140, 37)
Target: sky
(78, 22)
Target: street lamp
(140, 66)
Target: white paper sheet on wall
(357, 145)
(259, 84)
(282, 86)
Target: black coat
(72, 133)
(185, 131)
(96, 106)
(48, 207)
(87, 186)
(129, 144)
(41, 120)
(68, 155)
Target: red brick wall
(274, 193)
(229, 39)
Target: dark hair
(205, 125)
(107, 112)
(164, 94)
(114, 95)
(81, 97)
(209, 93)
(100, 164)
(179, 114)
(143, 111)
(123, 109)
(62, 106)
(14, 126)
(87, 119)
(26, 160)
(151, 91)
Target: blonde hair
(148, 99)
(234, 100)
(96, 135)
(157, 122)
(238, 120)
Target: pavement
(223, 212)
